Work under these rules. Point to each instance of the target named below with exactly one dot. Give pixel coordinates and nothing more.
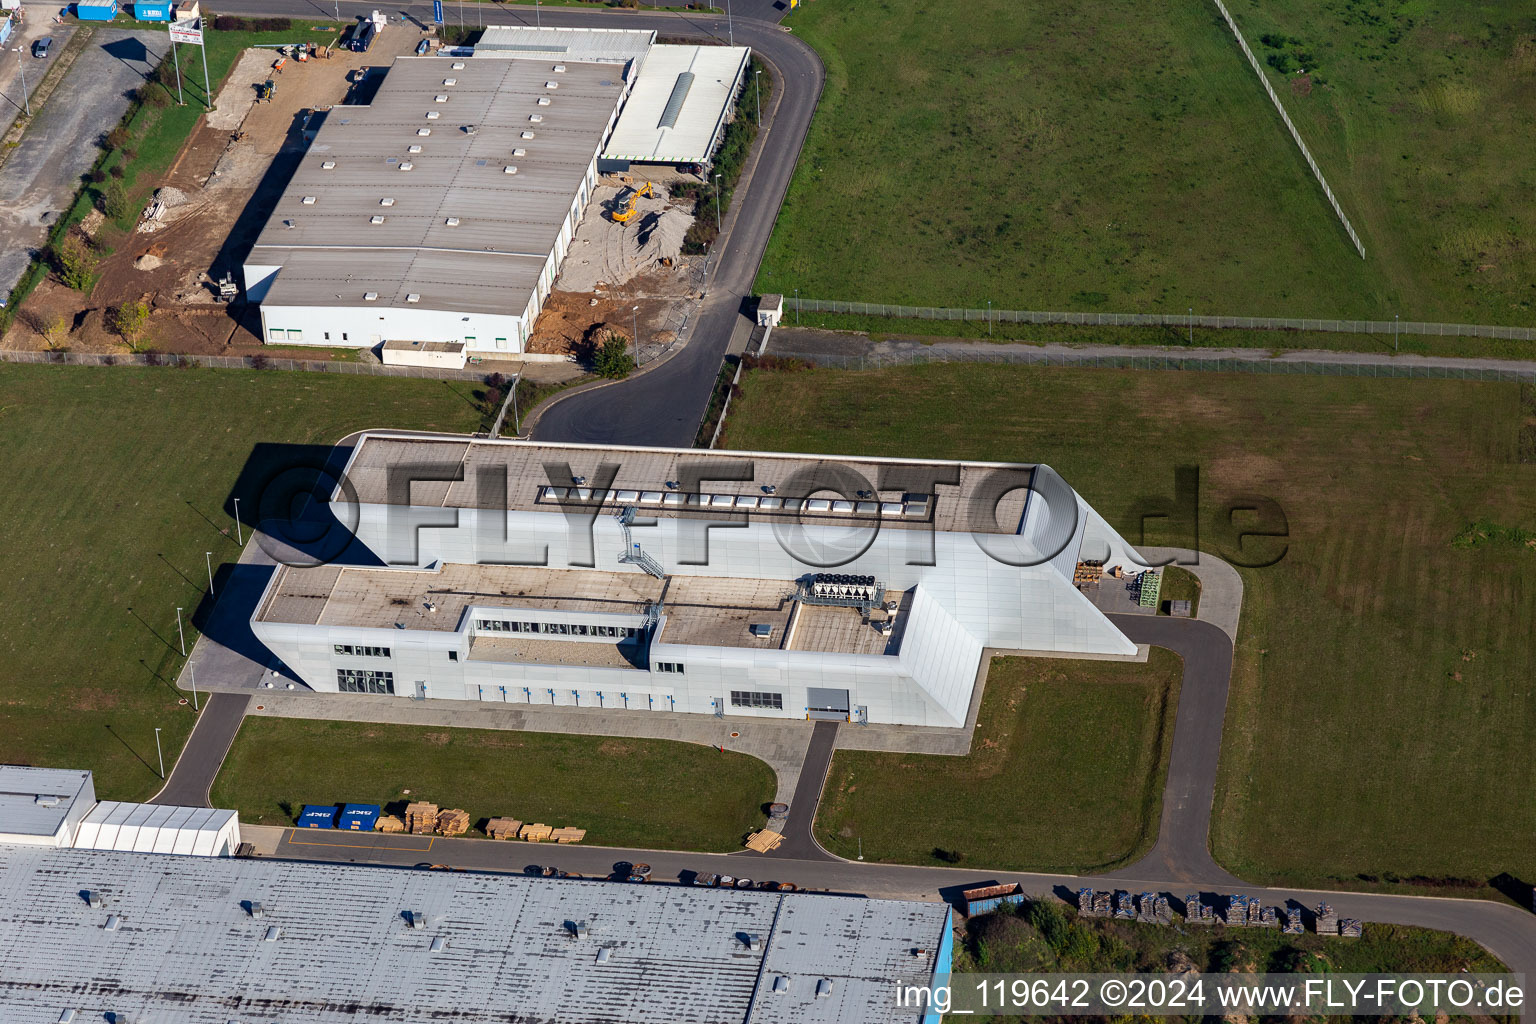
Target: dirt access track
(230, 171)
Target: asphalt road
(799, 842)
(192, 776)
(1507, 931)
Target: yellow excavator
(624, 204)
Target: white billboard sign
(187, 32)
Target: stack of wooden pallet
(536, 833)
(503, 828)
(764, 841)
(391, 824)
(568, 834)
(453, 822)
(421, 818)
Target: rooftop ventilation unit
(604, 955)
(823, 988)
(527, 135)
(387, 201)
(47, 800)
(416, 919)
(308, 200)
(551, 85)
(519, 152)
(576, 929)
(509, 169)
(416, 297)
(441, 97)
(543, 101)
(113, 921)
(433, 115)
(271, 934)
(413, 148)
(841, 590)
(751, 941)
(328, 165)
(452, 222)
(536, 118)
(256, 909)
(66, 1016)
(450, 81)
(470, 129)
(375, 220)
(406, 165)
(370, 296)
(439, 943)
(423, 131)
(559, 69)
(457, 65)
(93, 899)
(781, 984)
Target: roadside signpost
(192, 32)
(437, 13)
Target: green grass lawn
(1065, 774)
(1382, 710)
(1110, 156)
(1057, 155)
(1181, 585)
(624, 792)
(1419, 113)
(116, 482)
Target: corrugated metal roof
(36, 801)
(566, 44)
(665, 123)
(187, 948)
(456, 228)
(155, 828)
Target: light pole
(861, 847)
(338, 10)
(516, 378)
(239, 534)
(634, 328)
(797, 307)
(1394, 332)
(757, 80)
(181, 634)
(1191, 325)
(536, 22)
(718, 225)
(989, 318)
(158, 754)
(208, 558)
(194, 685)
(730, 28)
(26, 97)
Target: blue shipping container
(96, 10)
(359, 817)
(156, 10)
(315, 816)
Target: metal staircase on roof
(633, 554)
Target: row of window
(362, 650)
(757, 699)
(364, 680)
(675, 667)
(556, 628)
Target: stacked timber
(391, 824)
(453, 822)
(1327, 919)
(421, 818)
(569, 834)
(503, 828)
(535, 833)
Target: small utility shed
(317, 816)
(96, 10)
(153, 10)
(400, 352)
(678, 111)
(42, 806)
(152, 828)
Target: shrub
(96, 176)
(259, 361)
(129, 320)
(947, 856)
(116, 170)
(152, 95)
(612, 359)
(117, 138)
(75, 262)
(114, 201)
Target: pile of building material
(1196, 912)
(1327, 919)
(1088, 572)
(1293, 922)
(503, 828)
(764, 841)
(453, 822)
(535, 833)
(1152, 908)
(1091, 903)
(568, 834)
(1349, 927)
(1149, 587)
(1125, 910)
(391, 824)
(421, 818)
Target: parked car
(40, 47)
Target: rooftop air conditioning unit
(308, 200)
(328, 165)
(387, 201)
(413, 148)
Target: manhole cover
(182, 701)
(734, 735)
(261, 707)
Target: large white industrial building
(704, 582)
(57, 807)
(441, 211)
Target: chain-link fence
(254, 362)
(878, 359)
(1254, 323)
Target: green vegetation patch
(623, 791)
(1054, 155)
(1065, 773)
(117, 480)
(1381, 707)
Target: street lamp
(1394, 332)
(208, 558)
(757, 80)
(634, 329)
(1191, 325)
(158, 754)
(239, 534)
(729, 27)
(181, 634)
(797, 307)
(26, 98)
(718, 224)
(989, 318)
(194, 685)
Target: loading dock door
(826, 705)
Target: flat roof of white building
(156, 828)
(36, 802)
(679, 104)
(175, 939)
(782, 484)
(589, 45)
(409, 199)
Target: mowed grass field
(624, 792)
(1420, 113)
(1067, 154)
(116, 481)
(1383, 709)
(1065, 774)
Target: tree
(130, 319)
(75, 263)
(114, 201)
(612, 358)
(55, 332)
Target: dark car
(40, 47)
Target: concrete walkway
(1221, 587)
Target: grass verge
(625, 792)
(1181, 585)
(1381, 701)
(117, 480)
(1065, 774)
